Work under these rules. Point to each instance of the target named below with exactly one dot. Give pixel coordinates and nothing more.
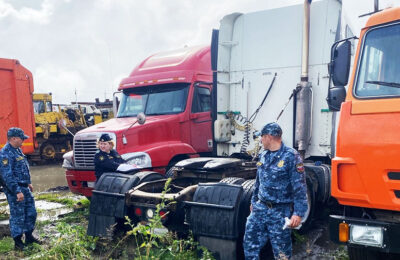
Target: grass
(60, 198)
(6, 245)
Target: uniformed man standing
(18, 188)
(280, 191)
(106, 159)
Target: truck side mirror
(336, 96)
(141, 118)
(340, 63)
(339, 69)
(116, 102)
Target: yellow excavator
(55, 128)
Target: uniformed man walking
(18, 188)
(280, 191)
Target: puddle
(46, 211)
(45, 177)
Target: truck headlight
(366, 235)
(140, 159)
(68, 162)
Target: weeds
(72, 243)
(150, 245)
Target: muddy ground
(315, 244)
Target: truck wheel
(308, 217)
(362, 253)
(148, 176)
(244, 212)
(232, 180)
(169, 173)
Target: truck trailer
(265, 69)
(366, 168)
(16, 108)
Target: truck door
(200, 118)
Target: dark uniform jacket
(14, 168)
(281, 179)
(106, 162)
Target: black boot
(29, 238)
(18, 244)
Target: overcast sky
(91, 45)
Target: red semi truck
(173, 90)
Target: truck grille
(85, 147)
(84, 151)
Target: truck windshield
(154, 100)
(379, 73)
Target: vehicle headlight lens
(140, 159)
(366, 235)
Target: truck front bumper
(80, 182)
(386, 232)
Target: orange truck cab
(366, 169)
(16, 108)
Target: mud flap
(108, 202)
(214, 217)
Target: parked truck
(264, 69)
(173, 90)
(366, 169)
(54, 129)
(16, 108)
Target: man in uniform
(280, 191)
(18, 188)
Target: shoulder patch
(5, 161)
(300, 167)
(101, 157)
(281, 163)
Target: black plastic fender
(214, 210)
(108, 199)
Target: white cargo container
(252, 49)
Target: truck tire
(232, 180)
(169, 173)
(362, 253)
(148, 176)
(244, 212)
(308, 217)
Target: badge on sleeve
(259, 164)
(101, 157)
(300, 167)
(5, 161)
(281, 163)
